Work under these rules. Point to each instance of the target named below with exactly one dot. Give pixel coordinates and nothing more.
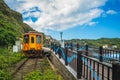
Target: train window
(38, 39)
(26, 38)
(32, 39)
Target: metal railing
(111, 55)
(93, 69)
(88, 67)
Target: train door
(32, 41)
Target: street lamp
(62, 42)
(61, 35)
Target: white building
(105, 46)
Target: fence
(93, 69)
(88, 67)
(105, 55)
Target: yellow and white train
(32, 44)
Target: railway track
(20, 66)
(28, 65)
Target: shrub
(46, 75)
(7, 59)
(4, 75)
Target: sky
(77, 19)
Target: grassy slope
(11, 25)
(7, 59)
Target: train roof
(32, 32)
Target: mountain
(11, 25)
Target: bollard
(66, 54)
(71, 46)
(52, 46)
(77, 46)
(116, 71)
(55, 46)
(79, 65)
(55, 49)
(119, 55)
(59, 52)
(101, 52)
(67, 44)
(86, 49)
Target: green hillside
(11, 25)
(97, 42)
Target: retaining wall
(67, 75)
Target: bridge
(85, 62)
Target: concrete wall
(61, 68)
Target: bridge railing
(111, 55)
(72, 59)
(93, 69)
(106, 55)
(67, 54)
(86, 66)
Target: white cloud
(92, 23)
(111, 12)
(60, 14)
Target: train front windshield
(26, 38)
